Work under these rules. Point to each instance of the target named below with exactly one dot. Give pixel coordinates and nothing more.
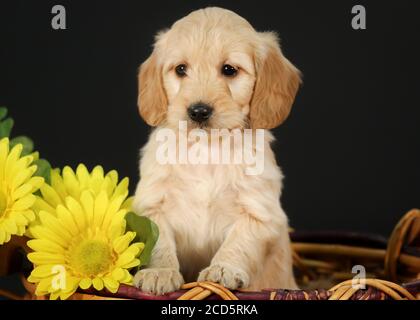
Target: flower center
(91, 257)
(3, 203)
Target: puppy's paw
(227, 275)
(159, 280)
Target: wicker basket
(323, 264)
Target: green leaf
(3, 113)
(28, 145)
(43, 170)
(146, 231)
(6, 127)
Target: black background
(349, 151)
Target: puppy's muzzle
(200, 112)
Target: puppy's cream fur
(216, 223)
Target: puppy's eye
(229, 71)
(181, 70)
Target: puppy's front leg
(162, 275)
(241, 255)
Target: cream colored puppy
(216, 223)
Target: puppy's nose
(200, 112)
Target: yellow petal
(132, 264)
(135, 249)
(71, 183)
(113, 176)
(116, 220)
(45, 258)
(29, 215)
(4, 152)
(20, 219)
(115, 231)
(97, 179)
(118, 274)
(2, 235)
(10, 226)
(21, 230)
(83, 176)
(43, 286)
(20, 177)
(77, 213)
(56, 225)
(41, 204)
(33, 279)
(128, 204)
(124, 259)
(98, 284)
(122, 188)
(12, 159)
(22, 191)
(41, 232)
(35, 155)
(111, 284)
(88, 206)
(20, 165)
(50, 195)
(58, 184)
(54, 295)
(36, 183)
(101, 205)
(66, 219)
(72, 283)
(44, 271)
(128, 278)
(66, 295)
(45, 245)
(121, 243)
(85, 283)
(113, 208)
(8, 237)
(24, 203)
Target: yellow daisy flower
(70, 183)
(17, 186)
(82, 243)
(73, 183)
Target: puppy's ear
(152, 101)
(276, 85)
